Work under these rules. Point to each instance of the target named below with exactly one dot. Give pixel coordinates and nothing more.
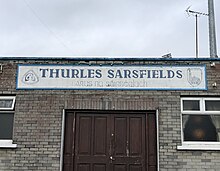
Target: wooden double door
(110, 141)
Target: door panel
(92, 142)
(136, 136)
(152, 142)
(83, 167)
(84, 135)
(100, 136)
(135, 168)
(119, 167)
(68, 157)
(129, 141)
(119, 134)
(104, 141)
(99, 167)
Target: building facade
(105, 114)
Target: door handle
(111, 159)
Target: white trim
(7, 144)
(190, 98)
(181, 120)
(158, 142)
(209, 99)
(191, 143)
(201, 113)
(201, 103)
(8, 98)
(195, 145)
(62, 140)
(198, 147)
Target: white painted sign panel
(134, 77)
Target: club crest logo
(30, 77)
(194, 76)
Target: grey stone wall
(38, 120)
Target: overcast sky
(103, 28)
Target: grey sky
(103, 28)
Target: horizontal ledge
(7, 144)
(199, 147)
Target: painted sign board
(106, 77)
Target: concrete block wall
(38, 121)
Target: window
(7, 104)
(200, 123)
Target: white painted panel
(148, 77)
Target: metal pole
(197, 42)
(212, 34)
(196, 14)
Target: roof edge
(107, 58)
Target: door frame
(64, 112)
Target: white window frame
(197, 145)
(7, 143)
(8, 98)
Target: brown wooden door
(110, 142)
(128, 142)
